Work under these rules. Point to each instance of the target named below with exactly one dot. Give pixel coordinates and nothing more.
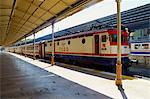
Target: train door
(42, 50)
(96, 41)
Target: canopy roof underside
(19, 18)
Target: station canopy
(20, 18)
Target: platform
(22, 80)
(31, 78)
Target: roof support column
(53, 45)
(34, 46)
(20, 48)
(25, 47)
(118, 65)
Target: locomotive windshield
(113, 38)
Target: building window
(50, 44)
(104, 38)
(68, 42)
(83, 41)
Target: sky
(99, 10)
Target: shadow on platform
(120, 88)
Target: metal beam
(13, 7)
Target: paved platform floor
(22, 80)
(136, 88)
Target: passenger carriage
(140, 48)
(140, 51)
(30, 50)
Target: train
(97, 47)
(140, 52)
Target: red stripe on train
(88, 54)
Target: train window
(45, 44)
(104, 38)
(68, 42)
(136, 46)
(114, 38)
(83, 41)
(57, 43)
(145, 46)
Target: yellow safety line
(97, 71)
(128, 77)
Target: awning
(24, 17)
